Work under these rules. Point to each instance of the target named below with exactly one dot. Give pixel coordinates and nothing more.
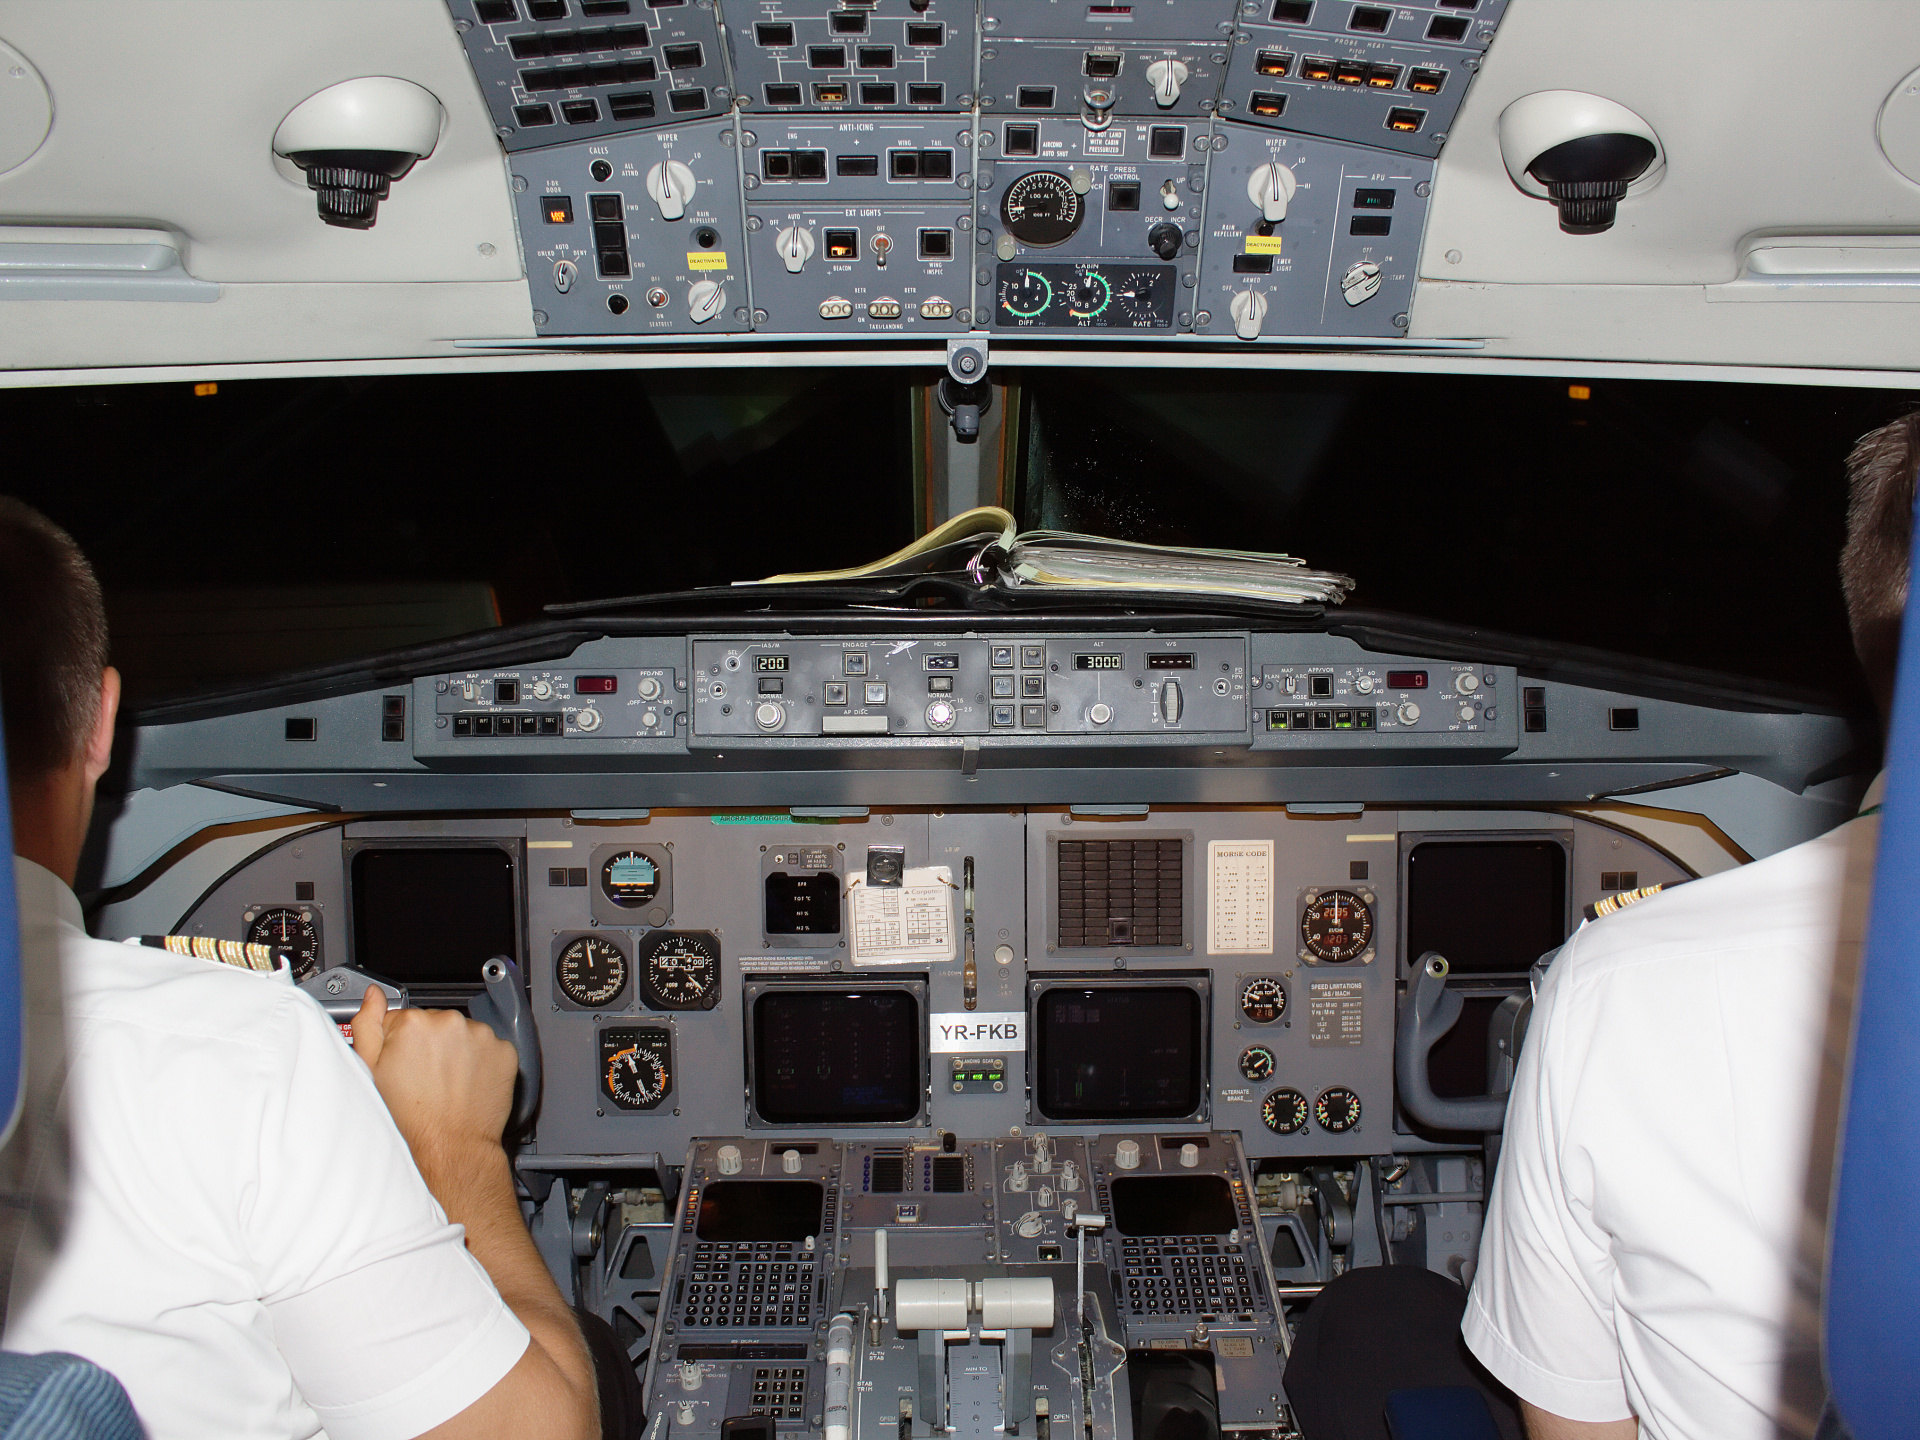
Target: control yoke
(1431, 1010)
(503, 1007)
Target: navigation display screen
(837, 1057)
(1489, 906)
(424, 916)
(1172, 1205)
(760, 1210)
(1118, 1052)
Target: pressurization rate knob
(1270, 187)
(1166, 77)
(795, 243)
(705, 299)
(1249, 309)
(670, 183)
(1164, 240)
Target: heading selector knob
(795, 243)
(670, 183)
(1166, 77)
(1270, 187)
(1249, 309)
(704, 299)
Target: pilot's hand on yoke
(447, 1080)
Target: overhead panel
(922, 167)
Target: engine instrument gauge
(630, 879)
(1336, 925)
(1284, 1112)
(680, 969)
(292, 929)
(1262, 1000)
(1337, 1110)
(1091, 294)
(1256, 1062)
(636, 1066)
(591, 971)
(1026, 294)
(1042, 208)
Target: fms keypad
(749, 1286)
(780, 1392)
(1175, 1277)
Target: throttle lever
(502, 1007)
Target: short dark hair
(1877, 560)
(53, 642)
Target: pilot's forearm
(474, 1185)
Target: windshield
(278, 524)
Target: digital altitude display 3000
(1100, 662)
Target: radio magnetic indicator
(630, 879)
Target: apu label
(965, 1032)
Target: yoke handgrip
(502, 1006)
(1430, 1012)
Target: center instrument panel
(954, 1030)
(915, 167)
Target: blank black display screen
(1173, 1205)
(837, 1057)
(760, 1210)
(1121, 1052)
(432, 917)
(1487, 905)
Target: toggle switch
(1270, 187)
(670, 183)
(1170, 196)
(1166, 77)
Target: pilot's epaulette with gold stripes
(237, 953)
(1608, 904)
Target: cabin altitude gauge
(591, 971)
(680, 969)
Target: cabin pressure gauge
(591, 971)
(1336, 925)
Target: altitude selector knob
(670, 183)
(1270, 187)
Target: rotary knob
(704, 299)
(1189, 1155)
(1361, 283)
(941, 715)
(1127, 1154)
(1363, 684)
(729, 1159)
(1270, 187)
(1166, 77)
(790, 1161)
(1249, 312)
(670, 183)
(1408, 712)
(542, 690)
(1100, 714)
(588, 719)
(649, 687)
(795, 244)
(769, 716)
(1466, 682)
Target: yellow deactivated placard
(1263, 245)
(706, 259)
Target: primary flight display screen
(1118, 1052)
(433, 916)
(1487, 905)
(760, 1210)
(837, 1057)
(1173, 1205)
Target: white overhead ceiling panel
(164, 115)
(1766, 110)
